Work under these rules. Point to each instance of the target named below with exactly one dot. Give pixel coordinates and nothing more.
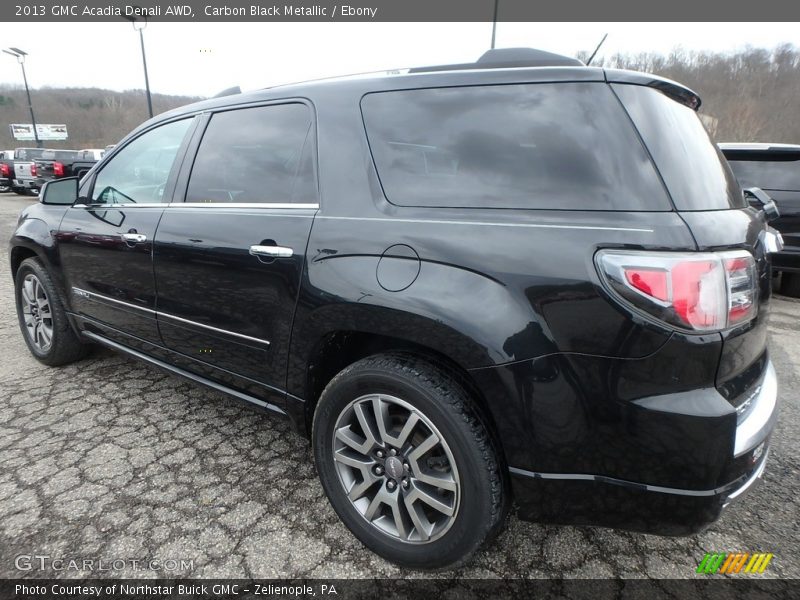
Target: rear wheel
(407, 462)
(42, 318)
(790, 284)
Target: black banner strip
(398, 10)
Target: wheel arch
(338, 349)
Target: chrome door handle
(271, 251)
(136, 238)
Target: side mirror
(60, 191)
(761, 200)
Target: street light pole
(20, 56)
(139, 24)
(146, 79)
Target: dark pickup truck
(775, 168)
(55, 164)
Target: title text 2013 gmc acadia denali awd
(522, 278)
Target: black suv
(775, 168)
(520, 278)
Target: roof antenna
(494, 21)
(588, 62)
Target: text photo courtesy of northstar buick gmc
(465, 284)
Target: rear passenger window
(565, 146)
(256, 155)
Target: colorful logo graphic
(734, 562)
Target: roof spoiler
(672, 89)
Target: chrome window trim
(243, 205)
(158, 314)
(130, 205)
(237, 205)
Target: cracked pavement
(109, 459)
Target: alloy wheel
(396, 468)
(37, 313)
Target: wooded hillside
(753, 95)
(94, 117)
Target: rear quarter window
(694, 170)
(564, 146)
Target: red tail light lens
(4, 172)
(33, 170)
(694, 291)
(58, 169)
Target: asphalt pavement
(110, 460)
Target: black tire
(436, 393)
(18, 190)
(64, 347)
(790, 284)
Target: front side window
(138, 174)
(256, 155)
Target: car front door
(106, 239)
(229, 260)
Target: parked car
(25, 175)
(775, 168)
(6, 170)
(55, 164)
(464, 284)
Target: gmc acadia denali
(521, 278)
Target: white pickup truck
(25, 170)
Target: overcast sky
(204, 58)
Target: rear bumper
(29, 184)
(664, 464)
(606, 502)
(787, 260)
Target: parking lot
(110, 459)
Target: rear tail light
(33, 170)
(58, 169)
(4, 171)
(694, 291)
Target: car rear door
(229, 260)
(106, 239)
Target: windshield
(694, 171)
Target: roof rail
(507, 58)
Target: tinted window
(768, 174)
(694, 170)
(566, 146)
(139, 172)
(28, 153)
(261, 154)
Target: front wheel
(42, 318)
(407, 462)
